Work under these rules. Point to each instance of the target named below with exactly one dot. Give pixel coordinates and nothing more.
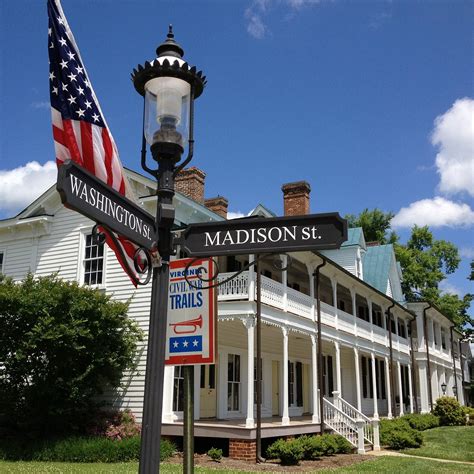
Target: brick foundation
(242, 449)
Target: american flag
(80, 131)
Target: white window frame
(2, 266)
(84, 232)
(234, 382)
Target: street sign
(91, 197)
(191, 325)
(265, 235)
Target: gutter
(320, 348)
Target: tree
(471, 276)
(375, 224)
(61, 347)
(425, 263)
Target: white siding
(345, 257)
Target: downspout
(413, 374)
(320, 349)
(428, 363)
(463, 381)
(454, 362)
(392, 384)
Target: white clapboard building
(373, 366)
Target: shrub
(329, 443)
(215, 454)
(90, 450)
(312, 447)
(343, 446)
(469, 414)
(422, 421)
(290, 452)
(61, 346)
(450, 412)
(398, 434)
(115, 425)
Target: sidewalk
(386, 452)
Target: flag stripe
(108, 151)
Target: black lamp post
(455, 390)
(443, 388)
(169, 86)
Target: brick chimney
(190, 182)
(296, 198)
(218, 205)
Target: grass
(447, 442)
(383, 464)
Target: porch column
(285, 418)
(284, 281)
(311, 278)
(251, 279)
(423, 386)
(374, 383)
(197, 392)
(338, 367)
(410, 388)
(389, 393)
(250, 325)
(357, 377)
(371, 319)
(314, 381)
(334, 300)
(354, 309)
(434, 382)
(400, 392)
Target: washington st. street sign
(264, 235)
(84, 193)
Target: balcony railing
(273, 294)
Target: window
(401, 329)
(93, 261)
(295, 384)
(328, 381)
(178, 393)
(233, 382)
(1, 261)
(341, 305)
(443, 335)
(255, 379)
(367, 380)
(377, 316)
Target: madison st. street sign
(265, 235)
(84, 193)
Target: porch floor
(236, 429)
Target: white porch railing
(272, 294)
(351, 423)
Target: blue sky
(370, 102)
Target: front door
(208, 391)
(275, 388)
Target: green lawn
(383, 464)
(447, 442)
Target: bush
(115, 425)
(88, 450)
(312, 447)
(469, 414)
(422, 422)
(398, 434)
(61, 346)
(215, 454)
(343, 446)
(329, 443)
(450, 412)
(290, 452)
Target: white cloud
(453, 134)
(235, 215)
(258, 9)
(466, 252)
(447, 287)
(41, 105)
(255, 26)
(20, 186)
(436, 212)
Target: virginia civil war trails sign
(86, 194)
(265, 235)
(191, 324)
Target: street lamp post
(443, 388)
(169, 86)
